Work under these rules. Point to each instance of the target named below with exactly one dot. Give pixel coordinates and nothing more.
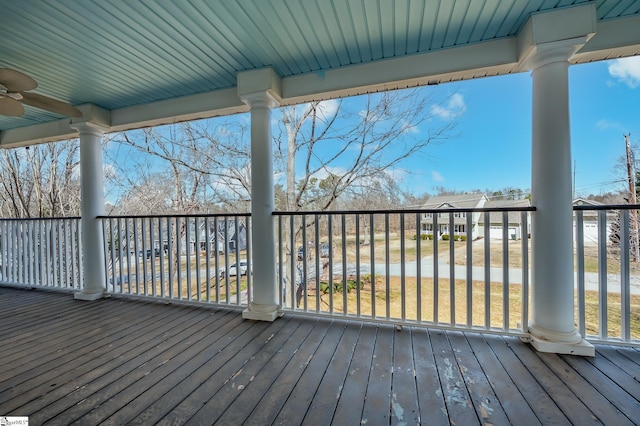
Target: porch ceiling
(150, 62)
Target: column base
(88, 296)
(559, 343)
(258, 312)
(583, 348)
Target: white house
(590, 221)
(515, 228)
(473, 200)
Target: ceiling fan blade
(50, 104)
(15, 81)
(10, 107)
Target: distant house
(515, 228)
(590, 221)
(222, 236)
(438, 224)
(226, 237)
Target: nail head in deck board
(591, 397)
(535, 396)
(273, 400)
(256, 378)
(628, 405)
(499, 378)
(430, 397)
(349, 408)
(205, 394)
(185, 371)
(555, 387)
(324, 402)
(377, 403)
(487, 406)
(459, 405)
(404, 394)
(305, 389)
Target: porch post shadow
(549, 46)
(260, 90)
(92, 205)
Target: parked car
(147, 255)
(233, 269)
(324, 250)
(300, 253)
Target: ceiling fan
(14, 87)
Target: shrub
(456, 238)
(463, 238)
(445, 237)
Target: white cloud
(327, 109)
(626, 70)
(605, 124)
(452, 109)
(436, 176)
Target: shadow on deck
(119, 361)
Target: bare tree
(325, 152)
(40, 181)
(347, 154)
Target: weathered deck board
(118, 361)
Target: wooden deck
(119, 362)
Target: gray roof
(460, 201)
(513, 217)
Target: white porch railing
(607, 257)
(391, 273)
(201, 258)
(378, 266)
(41, 253)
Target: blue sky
(493, 146)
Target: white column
(92, 205)
(264, 305)
(552, 321)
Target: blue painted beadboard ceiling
(119, 53)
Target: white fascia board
(202, 105)
(487, 58)
(39, 133)
(192, 107)
(614, 38)
(54, 130)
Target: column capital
(260, 88)
(550, 52)
(87, 127)
(260, 100)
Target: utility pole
(635, 238)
